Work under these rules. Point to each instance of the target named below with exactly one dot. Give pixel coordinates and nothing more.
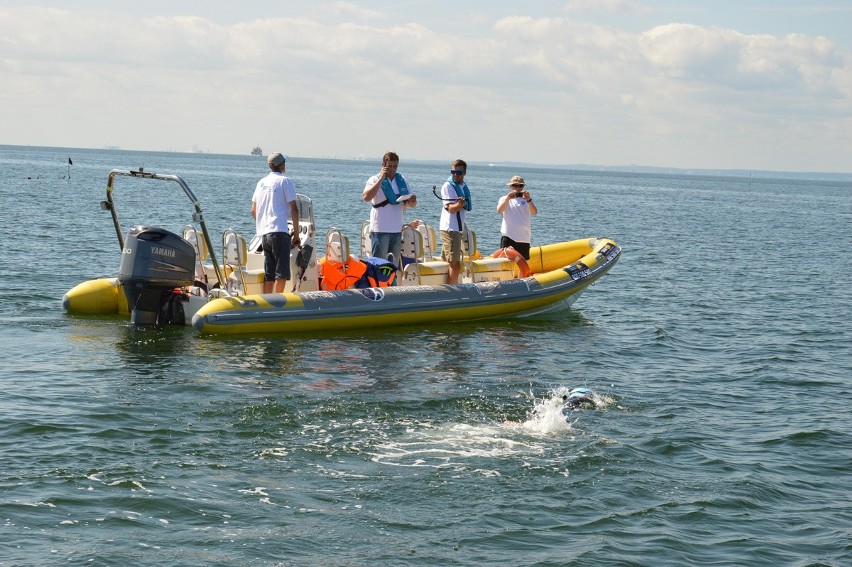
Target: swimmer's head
(580, 398)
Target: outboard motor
(154, 262)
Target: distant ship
(256, 151)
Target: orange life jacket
(334, 276)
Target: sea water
(720, 344)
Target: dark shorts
(276, 256)
(523, 248)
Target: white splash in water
(550, 416)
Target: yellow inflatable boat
(166, 278)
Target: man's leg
(395, 247)
(451, 253)
(379, 242)
(282, 264)
(269, 246)
(454, 272)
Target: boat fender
(517, 258)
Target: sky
(739, 84)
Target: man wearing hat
(272, 198)
(516, 207)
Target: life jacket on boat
(335, 276)
(380, 273)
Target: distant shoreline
(650, 169)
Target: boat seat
(426, 273)
(336, 246)
(469, 245)
(430, 241)
(412, 246)
(366, 246)
(234, 252)
(492, 270)
(190, 234)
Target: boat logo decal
(161, 251)
(610, 251)
(578, 271)
(323, 294)
(372, 293)
(275, 300)
(486, 287)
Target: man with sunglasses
(455, 195)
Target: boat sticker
(486, 286)
(321, 294)
(610, 251)
(372, 293)
(276, 300)
(578, 271)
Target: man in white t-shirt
(389, 194)
(273, 196)
(517, 208)
(455, 196)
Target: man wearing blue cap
(273, 196)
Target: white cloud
(567, 90)
(609, 6)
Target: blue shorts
(382, 243)
(276, 256)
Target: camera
(519, 194)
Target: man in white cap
(517, 208)
(273, 196)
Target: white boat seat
(366, 245)
(234, 253)
(190, 234)
(412, 243)
(469, 242)
(426, 273)
(430, 240)
(336, 246)
(492, 270)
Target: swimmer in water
(574, 400)
(579, 398)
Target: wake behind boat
(170, 278)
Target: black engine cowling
(153, 263)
